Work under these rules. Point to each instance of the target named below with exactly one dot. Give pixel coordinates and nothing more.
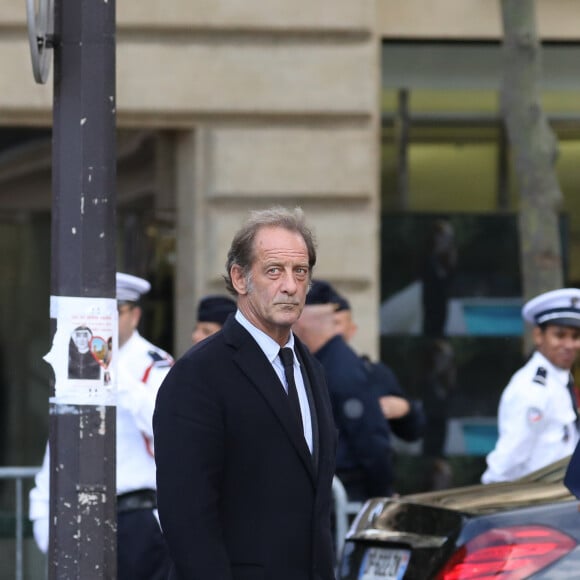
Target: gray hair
(241, 252)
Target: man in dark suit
(244, 447)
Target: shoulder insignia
(367, 363)
(540, 376)
(534, 415)
(353, 409)
(159, 360)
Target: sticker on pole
(83, 350)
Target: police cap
(215, 309)
(131, 288)
(322, 292)
(560, 307)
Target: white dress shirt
(271, 350)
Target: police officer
(406, 416)
(363, 457)
(538, 414)
(212, 312)
(141, 550)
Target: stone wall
(264, 103)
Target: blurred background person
(141, 550)
(212, 312)
(363, 456)
(405, 415)
(436, 277)
(538, 411)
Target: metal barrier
(18, 474)
(342, 510)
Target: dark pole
(82, 413)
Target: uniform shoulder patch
(353, 408)
(540, 376)
(534, 415)
(158, 359)
(367, 363)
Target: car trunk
(429, 533)
(428, 525)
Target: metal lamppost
(80, 36)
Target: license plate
(383, 564)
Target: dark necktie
(572, 392)
(287, 358)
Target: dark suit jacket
(239, 495)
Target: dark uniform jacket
(384, 382)
(239, 494)
(363, 458)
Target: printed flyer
(83, 350)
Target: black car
(529, 528)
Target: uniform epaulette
(540, 376)
(158, 359)
(367, 362)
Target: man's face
(129, 315)
(81, 338)
(559, 344)
(273, 296)
(203, 330)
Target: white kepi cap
(131, 288)
(556, 307)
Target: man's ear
(352, 330)
(136, 316)
(239, 281)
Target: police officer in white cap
(141, 550)
(538, 411)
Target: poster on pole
(84, 347)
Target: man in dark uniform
(405, 416)
(212, 313)
(363, 458)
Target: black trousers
(141, 550)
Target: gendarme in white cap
(556, 307)
(131, 288)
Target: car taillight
(512, 553)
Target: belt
(140, 499)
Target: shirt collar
(562, 375)
(268, 345)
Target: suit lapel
(326, 430)
(257, 368)
(306, 374)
